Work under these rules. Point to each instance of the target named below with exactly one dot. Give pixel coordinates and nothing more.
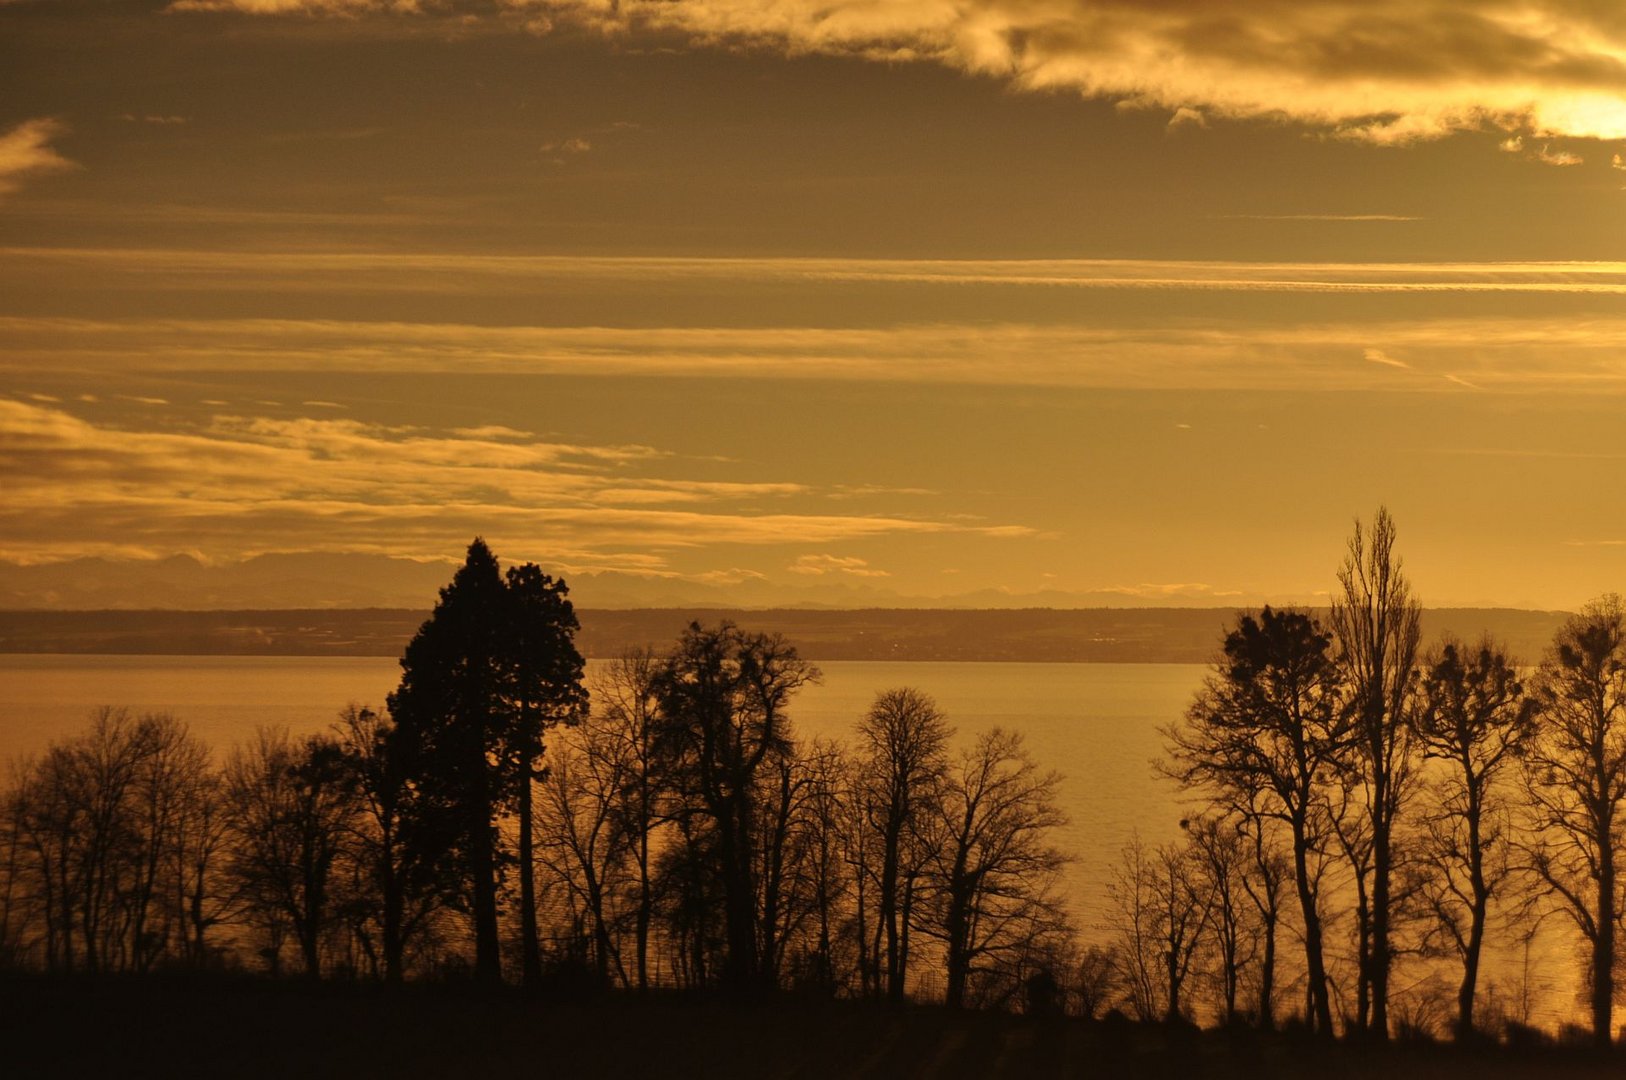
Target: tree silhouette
(1473, 717)
(1265, 733)
(405, 883)
(991, 868)
(1162, 910)
(903, 739)
(491, 668)
(291, 810)
(723, 695)
(1375, 621)
(544, 688)
(1575, 776)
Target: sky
(858, 301)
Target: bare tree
(582, 844)
(14, 866)
(1265, 733)
(1472, 716)
(205, 893)
(98, 773)
(291, 806)
(903, 739)
(1268, 869)
(1161, 910)
(825, 873)
(1575, 777)
(172, 777)
(723, 697)
(94, 829)
(1222, 860)
(1096, 980)
(992, 868)
(1376, 622)
(403, 885)
(629, 726)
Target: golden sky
(1088, 301)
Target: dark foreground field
(183, 1028)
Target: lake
(1097, 724)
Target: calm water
(1095, 723)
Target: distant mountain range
(317, 581)
(1121, 635)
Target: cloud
(162, 121)
(492, 432)
(820, 565)
(1192, 590)
(234, 486)
(25, 152)
(1187, 117)
(1384, 73)
(1544, 154)
(486, 275)
(732, 576)
(1501, 351)
(573, 145)
(1318, 217)
(1378, 356)
(1548, 156)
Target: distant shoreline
(1044, 635)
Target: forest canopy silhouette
(1363, 802)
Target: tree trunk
(906, 913)
(1476, 924)
(645, 910)
(1603, 946)
(487, 956)
(1378, 950)
(1267, 976)
(888, 913)
(954, 998)
(394, 947)
(1316, 970)
(530, 946)
(739, 903)
(310, 949)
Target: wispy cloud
(1387, 73)
(26, 152)
(1318, 217)
(1378, 356)
(821, 565)
(1549, 156)
(456, 274)
(232, 486)
(1490, 352)
(573, 145)
(1170, 590)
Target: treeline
(677, 834)
(1367, 802)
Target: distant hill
(1094, 635)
